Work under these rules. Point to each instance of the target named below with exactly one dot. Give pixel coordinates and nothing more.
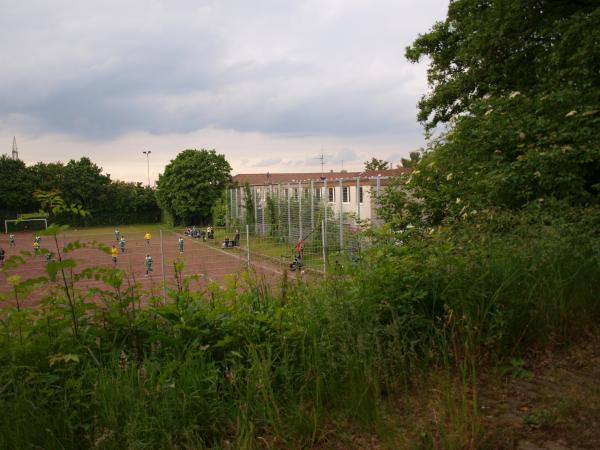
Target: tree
(412, 160)
(249, 205)
(192, 183)
(16, 188)
(495, 47)
(375, 164)
(518, 85)
(85, 183)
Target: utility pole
(147, 153)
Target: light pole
(148, 162)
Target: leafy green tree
(192, 183)
(376, 164)
(16, 188)
(48, 176)
(517, 84)
(249, 205)
(84, 183)
(491, 47)
(412, 160)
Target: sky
(271, 84)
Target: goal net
(24, 225)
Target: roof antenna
(322, 158)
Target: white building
(300, 196)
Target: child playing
(148, 263)
(114, 252)
(11, 240)
(36, 247)
(180, 244)
(2, 253)
(147, 236)
(122, 244)
(117, 235)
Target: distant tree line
(110, 202)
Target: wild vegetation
(490, 248)
(80, 182)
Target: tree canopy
(517, 85)
(192, 183)
(495, 47)
(79, 182)
(376, 164)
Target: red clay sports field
(204, 260)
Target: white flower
(514, 94)
(449, 176)
(458, 200)
(571, 113)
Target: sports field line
(229, 254)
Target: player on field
(147, 236)
(180, 244)
(114, 252)
(36, 247)
(11, 240)
(2, 253)
(117, 234)
(148, 263)
(122, 244)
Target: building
(303, 200)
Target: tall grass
(273, 369)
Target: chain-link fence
(322, 214)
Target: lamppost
(148, 162)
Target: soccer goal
(24, 225)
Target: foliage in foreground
(218, 368)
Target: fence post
(289, 213)
(312, 205)
(226, 210)
(358, 197)
(299, 210)
(162, 264)
(278, 208)
(248, 247)
(255, 210)
(341, 216)
(323, 245)
(325, 202)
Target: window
(286, 193)
(360, 194)
(331, 195)
(295, 192)
(318, 193)
(306, 192)
(346, 194)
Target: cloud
(267, 162)
(313, 67)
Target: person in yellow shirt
(114, 252)
(36, 247)
(147, 236)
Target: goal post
(39, 223)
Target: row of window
(331, 197)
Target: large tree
(192, 183)
(16, 188)
(495, 47)
(517, 84)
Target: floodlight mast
(147, 153)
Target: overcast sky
(270, 83)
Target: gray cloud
(267, 162)
(316, 67)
